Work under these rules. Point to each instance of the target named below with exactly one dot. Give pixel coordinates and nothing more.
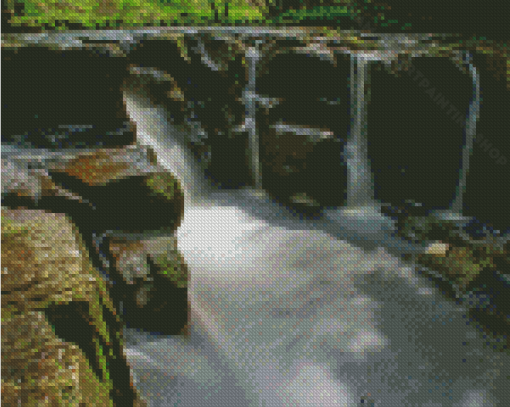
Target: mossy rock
(61, 341)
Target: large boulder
(61, 335)
(152, 284)
(119, 199)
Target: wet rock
(118, 198)
(152, 285)
(474, 273)
(488, 299)
(61, 340)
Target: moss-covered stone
(152, 284)
(61, 340)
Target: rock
(106, 165)
(93, 188)
(459, 256)
(479, 271)
(129, 205)
(130, 259)
(120, 195)
(199, 97)
(437, 249)
(488, 302)
(25, 181)
(301, 142)
(61, 335)
(19, 179)
(152, 284)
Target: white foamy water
(287, 312)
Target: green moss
(172, 270)
(12, 228)
(93, 295)
(164, 184)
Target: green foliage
(315, 13)
(58, 14)
(131, 14)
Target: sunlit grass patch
(130, 13)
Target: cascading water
(292, 311)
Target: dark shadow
(488, 181)
(414, 144)
(71, 323)
(315, 94)
(44, 89)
